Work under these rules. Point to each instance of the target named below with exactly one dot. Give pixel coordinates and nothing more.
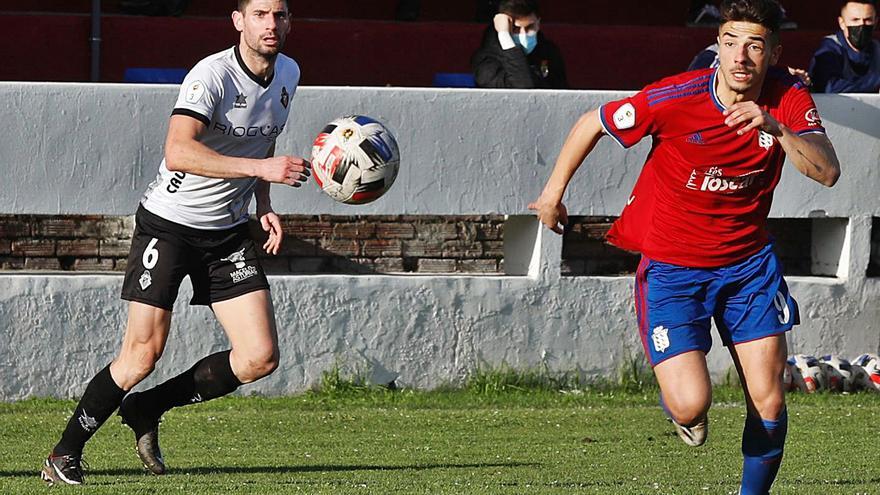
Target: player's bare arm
(269, 220)
(579, 143)
(184, 153)
(812, 154)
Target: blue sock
(762, 444)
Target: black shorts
(221, 264)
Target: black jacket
(497, 68)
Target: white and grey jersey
(244, 114)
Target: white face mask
(527, 40)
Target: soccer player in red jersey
(698, 213)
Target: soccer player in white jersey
(219, 153)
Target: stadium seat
(154, 75)
(454, 80)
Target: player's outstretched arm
(580, 141)
(812, 154)
(269, 220)
(185, 153)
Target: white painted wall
(71, 148)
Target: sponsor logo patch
(713, 181)
(240, 101)
(195, 91)
(812, 117)
(243, 274)
(696, 139)
(625, 117)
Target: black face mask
(860, 36)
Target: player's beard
(270, 53)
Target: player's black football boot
(146, 434)
(63, 469)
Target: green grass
(456, 442)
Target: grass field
(451, 442)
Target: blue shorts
(749, 300)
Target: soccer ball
(806, 374)
(355, 159)
(866, 371)
(838, 373)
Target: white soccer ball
(806, 374)
(355, 159)
(866, 371)
(838, 373)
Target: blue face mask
(527, 40)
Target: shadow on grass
(202, 470)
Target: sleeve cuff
(191, 113)
(506, 41)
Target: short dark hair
(518, 8)
(242, 4)
(767, 13)
(869, 2)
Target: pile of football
(833, 373)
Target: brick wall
(585, 252)
(362, 245)
(313, 244)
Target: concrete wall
(93, 149)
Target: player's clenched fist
(290, 170)
(551, 214)
(747, 115)
(503, 23)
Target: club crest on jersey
(285, 97)
(240, 101)
(195, 91)
(146, 280)
(765, 140)
(625, 117)
(812, 117)
(660, 336)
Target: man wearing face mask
(515, 54)
(849, 61)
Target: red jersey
(704, 192)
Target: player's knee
(132, 369)
(259, 366)
(770, 407)
(689, 413)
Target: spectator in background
(849, 60)
(515, 54)
(708, 58)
